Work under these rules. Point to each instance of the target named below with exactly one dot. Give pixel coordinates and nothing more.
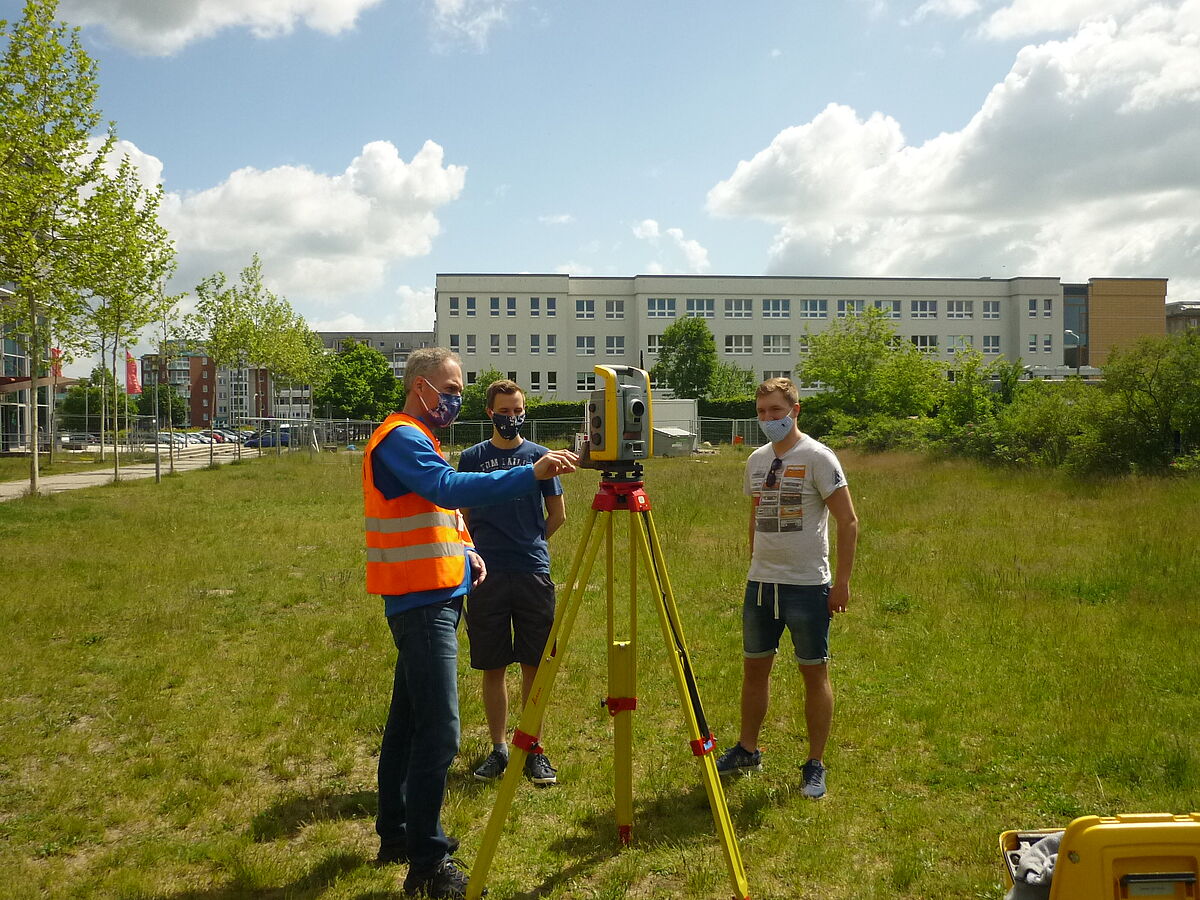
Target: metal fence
(143, 434)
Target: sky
(360, 147)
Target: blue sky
(362, 146)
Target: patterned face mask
(508, 426)
(776, 430)
(445, 412)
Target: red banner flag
(56, 362)
(132, 385)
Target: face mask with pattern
(776, 430)
(445, 412)
(508, 426)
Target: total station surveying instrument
(619, 429)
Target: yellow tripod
(621, 489)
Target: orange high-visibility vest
(412, 544)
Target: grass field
(195, 683)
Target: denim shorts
(803, 608)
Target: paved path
(187, 461)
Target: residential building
(548, 331)
(395, 345)
(192, 374)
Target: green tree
(127, 266)
(870, 370)
(729, 381)
(848, 359)
(222, 322)
(86, 405)
(360, 385)
(474, 408)
(967, 397)
(48, 91)
(687, 358)
(909, 383)
(1157, 385)
(164, 400)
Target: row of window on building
(734, 344)
(771, 308)
(586, 381)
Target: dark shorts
(802, 608)
(509, 618)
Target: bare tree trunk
(31, 402)
(116, 412)
(103, 399)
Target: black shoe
(446, 882)
(390, 854)
(539, 771)
(492, 767)
(738, 759)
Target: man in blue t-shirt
(509, 615)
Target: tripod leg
(622, 681)
(539, 693)
(700, 735)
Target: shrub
(883, 433)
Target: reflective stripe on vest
(412, 543)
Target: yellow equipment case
(1111, 858)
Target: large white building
(547, 331)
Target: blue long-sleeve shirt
(406, 461)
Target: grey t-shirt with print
(791, 533)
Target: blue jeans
(420, 740)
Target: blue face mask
(508, 426)
(777, 429)
(445, 412)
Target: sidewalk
(193, 459)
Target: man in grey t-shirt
(794, 483)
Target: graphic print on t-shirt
(781, 508)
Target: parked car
(175, 437)
(215, 436)
(79, 440)
(268, 439)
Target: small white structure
(672, 441)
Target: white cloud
(320, 236)
(951, 9)
(646, 230)
(1084, 161)
(557, 219)
(695, 256)
(412, 310)
(164, 26)
(469, 21)
(1026, 18)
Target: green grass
(195, 683)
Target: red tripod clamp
(704, 746)
(526, 742)
(618, 495)
(619, 704)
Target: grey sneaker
(446, 882)
(492, 767)
(814, 780)
(738, 759)
(538, 769)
